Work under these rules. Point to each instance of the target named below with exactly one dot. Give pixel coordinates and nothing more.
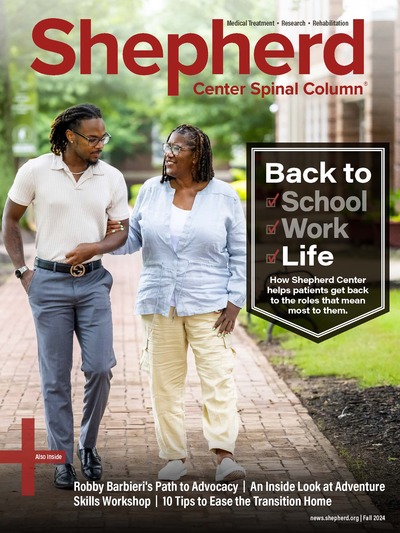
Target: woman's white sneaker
(173, 470)
(229, 470)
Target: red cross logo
(28, 456)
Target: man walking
(73, 193)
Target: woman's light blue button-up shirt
(208, 268)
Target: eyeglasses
(94, 141)
(174, 148)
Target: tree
(125, 99)
(6, 158)
(132, 103)
(229, 120)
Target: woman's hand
(227, 318)
(113, 226)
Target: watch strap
(21, 271)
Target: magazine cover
(226, 176)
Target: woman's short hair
(199, 141)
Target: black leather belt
(76, 271)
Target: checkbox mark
(271, 202)
(271, 228)
(271, 258)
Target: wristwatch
(21, 271)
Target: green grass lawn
(370, 353)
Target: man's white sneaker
(172, 471)
(229, 470)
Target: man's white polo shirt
(69, 212)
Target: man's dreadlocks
(68, 120)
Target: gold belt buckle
(77, 270)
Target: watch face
(20, 272)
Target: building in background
(368, 110)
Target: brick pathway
(278, 443)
